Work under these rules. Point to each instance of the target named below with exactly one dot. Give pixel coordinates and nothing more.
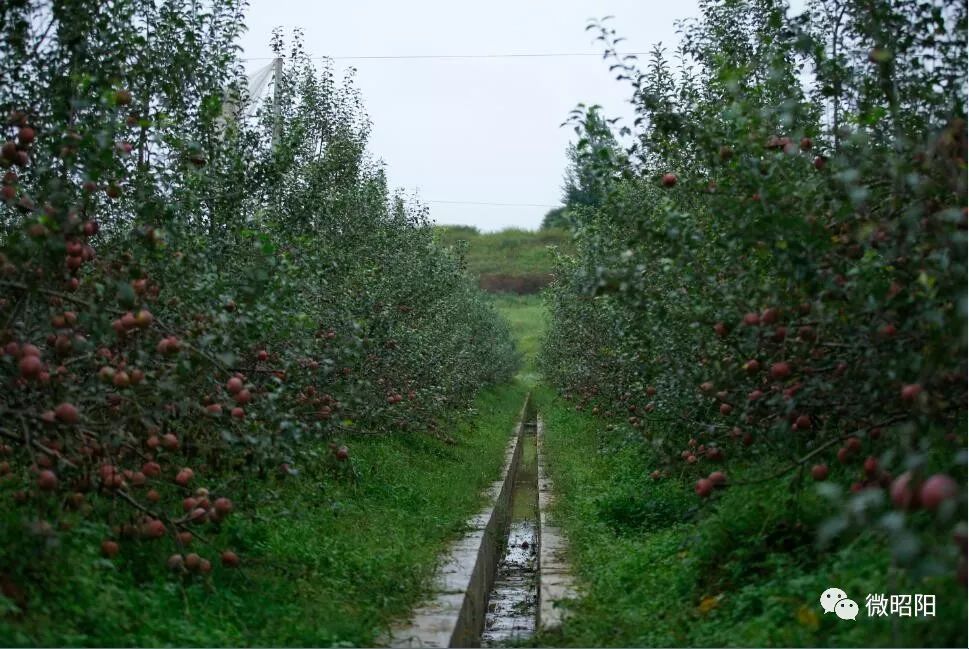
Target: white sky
(478, 130)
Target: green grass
(657, 567)
(527, 318)
(326, 559)
(509, 252)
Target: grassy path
(526, 316)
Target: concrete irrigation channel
(507, 577)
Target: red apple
(26, 135)
(109, 548)
(66, 413)
(234, 385)
(669, 180)
(911, 392)
(143, 319)
(904, 492)
(223, 506)
(936, 490)
(230, 559)
(718, 478)
(121, 379)
(30, 367)
(703, 487)
(780, 371)
(819, 472)
(871, 465)
(47, 480)
(192, 561)
(154, 529)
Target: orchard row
(771, 283)
(194, 303)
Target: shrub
(779, 270)
(191, 299)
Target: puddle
(513, 601)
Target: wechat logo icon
(835, 600)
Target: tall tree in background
(587, 176)
(585, 185)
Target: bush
(192, 300)
(779, 271)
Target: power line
(489, 204)
(510, 55)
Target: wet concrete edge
(555, 583)
(455, 612)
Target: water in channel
(513, 601)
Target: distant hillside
(510, 261)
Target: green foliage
(555, 218)
(585, 185)
(779, 267)
(657, 568)
(510, 261)
(526, 319)
(194, 302)
(508, 252)
(330, 557)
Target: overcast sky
(472, 130)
